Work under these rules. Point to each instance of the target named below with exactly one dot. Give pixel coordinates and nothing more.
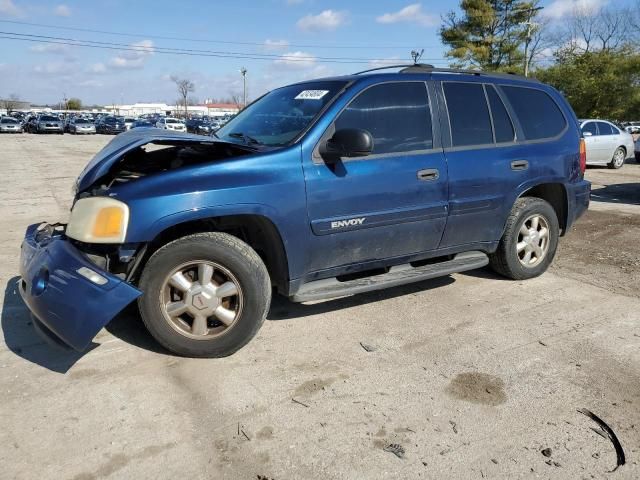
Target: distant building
(222, 109)
(137, 109)
(13, 105)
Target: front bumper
(71, 306)
(578, 198)
(44, 128)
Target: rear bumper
(70, 306)
(578, 197)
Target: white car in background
(632, 127)
(169, 123)
(606, 144)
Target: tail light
(583, 156)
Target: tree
(589, 30)
(185, 87)
(598, 84)
(490, 35)
(236, 99)
(11, 103)
(74, 104)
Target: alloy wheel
(533, 240)
(201, 299)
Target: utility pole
(243, 72)
(530, 26)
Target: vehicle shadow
(628, 193)
(284, 309)
(487, 274)
(21, 337)
(128, 327)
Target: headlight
(98, 220)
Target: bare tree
(587, 30)
(11, 103)
(236, 99)
(185, 87)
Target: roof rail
(431, 69)
(427, 68)
(404, 65)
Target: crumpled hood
(124, 142)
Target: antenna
(416, 55)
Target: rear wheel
(529, 242)
(617, 161)
(205, 295)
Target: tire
(617, 161)
(506, 260)
(231, 258)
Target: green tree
(74, 104)
(490, 34)
(598, 84)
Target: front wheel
(617, 161)
(529, 241)
(205, 295)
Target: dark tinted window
(468, 114)
(501, 121)
(49, 118)
(605, 129)
(396, 114)
(538, 114)
(590, 127)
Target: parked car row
(631, 127)
(104, 124)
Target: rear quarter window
(538, 114)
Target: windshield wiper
(247, 139)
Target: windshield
(279, 116)
(172, 120)
(49, 118)
(9, 120)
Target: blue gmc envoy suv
(318, 190)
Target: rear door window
(539, 115)
(502, 125)
(397, 115)
(605, 129)
(468, 114)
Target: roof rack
(404, 65)
(427, 68)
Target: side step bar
(398, 275)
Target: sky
(282, 41)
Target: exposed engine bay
(157, 157)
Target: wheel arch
(258, 231)
(555, 194)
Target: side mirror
(348, 142)
(587, 134)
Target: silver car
(80, 125)
(10, 125)
(49, 124)
(606, 144)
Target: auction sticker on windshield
(311, 94)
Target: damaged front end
(77, 277)
(65, 291)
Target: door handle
(519, 165)
(428, 174)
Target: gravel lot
(471, 374)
